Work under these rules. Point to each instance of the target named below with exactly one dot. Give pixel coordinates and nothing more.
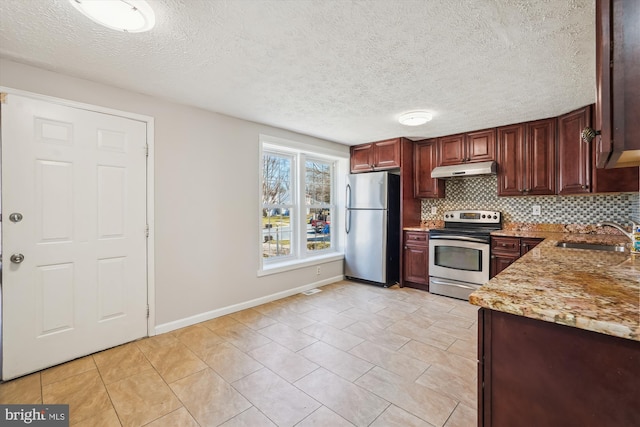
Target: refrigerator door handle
(347, 212)
(347, 220)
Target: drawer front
(416, 237)
(505, 244)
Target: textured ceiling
(336, 69)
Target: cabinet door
(425, 158)
(451, 150)
(540, 157)
(500, 262)
(416, 264)
(574, 154)
(617, 82)
(386, 154)
(362, 158)
(510, 159)
(481, 146)
(528, 243)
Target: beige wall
(206, 198)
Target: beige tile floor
(351, 355)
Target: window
(319, 207)
(299, 209)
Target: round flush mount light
(131, 16)
(415, 118)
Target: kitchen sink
(591, 246)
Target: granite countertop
(593, 290)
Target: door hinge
(146, 230)
(146, 150)
(147, 311)
(3, 98)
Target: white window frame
(300, 256)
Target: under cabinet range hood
(463, 170)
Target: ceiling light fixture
(415, 118)
(131, 16)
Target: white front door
(78, 180)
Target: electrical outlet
(536, 210)
(434, 210)
(318, 271)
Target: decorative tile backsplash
(482, 193)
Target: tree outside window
(277, 204)
(297, 204)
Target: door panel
(367, 191)
(79, 179)
(365, 255)
(510, 160)
(541, 157)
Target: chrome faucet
(619, 227)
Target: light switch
(434, 210)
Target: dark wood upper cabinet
(526, 158)
(362, 158)
(511, 160)
(577, 172)
(386, 154)
(479, 146)
(375, 156)
(574, 154)
(617, 83)
(451, 149)
(540, 156)
(426, 158)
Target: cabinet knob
(493, 257)
(588, 134)
(584, 187)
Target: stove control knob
(495, 217)
(484, 216)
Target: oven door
(464, 259)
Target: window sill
(282, 267)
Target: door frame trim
(149, 121)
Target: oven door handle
(438, 282)
(462, 238)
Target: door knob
(17, 258)
(15, 217)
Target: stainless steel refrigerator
(372, 224)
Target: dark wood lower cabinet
(535, 373)
(506, 250)
(416, 260)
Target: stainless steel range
(459, 257)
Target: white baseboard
(202, 317)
